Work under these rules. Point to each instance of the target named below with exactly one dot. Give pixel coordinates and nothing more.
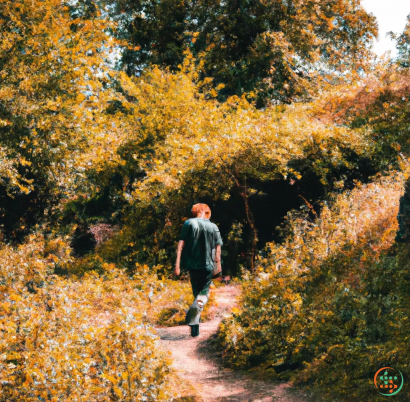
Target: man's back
(201, 237)
(199, 251)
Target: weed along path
(210, 382)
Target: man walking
(199, 251)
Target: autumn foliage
(64, 339)
(272, 113)
(318, 303)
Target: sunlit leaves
(54, 91)
(271, 50)
(316, 296)
(89, 339)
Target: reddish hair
(197, 209)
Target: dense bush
(232, 156)
(80, 340)
(329, 304)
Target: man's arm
(177, 270)
(218, 256)
(219, 244)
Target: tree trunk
(249, 217)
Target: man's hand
(177, 270)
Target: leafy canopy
(276, 49)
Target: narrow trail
(194, 363)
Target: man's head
(201, 211)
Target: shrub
(329, 303)
(64, 339)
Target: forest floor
(202, 377)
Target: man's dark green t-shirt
(201, 237)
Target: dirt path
(204, 371)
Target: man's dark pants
(201, 280)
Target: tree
(380, 106)
(156, 31)
(275, 48)
(192, 149)
(54, 91)
(403, 45)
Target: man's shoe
(194, 330)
